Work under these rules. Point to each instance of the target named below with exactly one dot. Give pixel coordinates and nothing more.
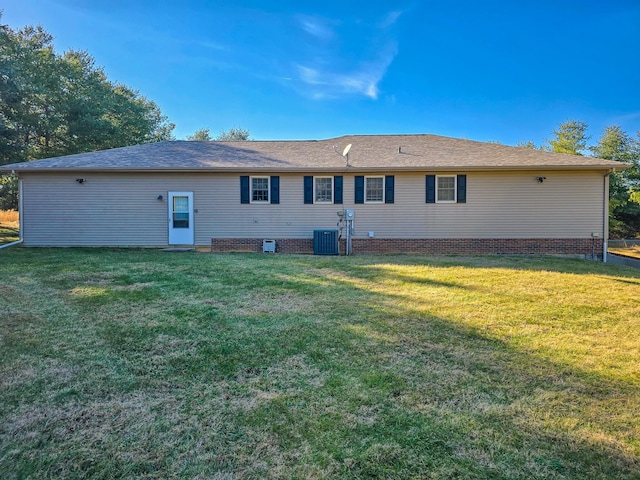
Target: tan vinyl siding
(499, 205)
(122, 208)
(289, 219)
(106, 209)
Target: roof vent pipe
(399, 149)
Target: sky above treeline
(506, 71)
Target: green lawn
(9, 226)
(630, 251)
(8, 234)
(143, 364)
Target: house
(407, 193)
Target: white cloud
(391, 18)
(372, 90)
(361, 81)
(316, 27)
(212, 46)
(338, 58)
(625, 118)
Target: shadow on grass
(305, 364)
(510, 262)
(494, 409)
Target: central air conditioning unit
(325, 242)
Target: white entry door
(181, 218)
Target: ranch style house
(423, 194)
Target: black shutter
(431, 189)
(308, 189)
(244, 189)
(461, 194)
(359, 189)
(389, 188)
(337, 189)
(275, 189)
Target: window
(259, 189)
(374, 189)
(322, 189)
(445, 189)
(180, 212)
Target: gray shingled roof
(374, 152)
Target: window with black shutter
(260, 189)
(446, 189)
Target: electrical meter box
(349, 214)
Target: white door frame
(181, 223)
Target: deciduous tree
(624, 210)
(530, 144)
(233, 135)
(8, 192)
(57, 104)
(201, 135)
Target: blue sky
(504, 71)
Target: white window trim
(365, 189)
(455, 189)
(268, 200)
(324, 202)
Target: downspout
(20, 239)
(605, 214)
(17, 242)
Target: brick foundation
(481, 246)
(428, 246)
(283, 245)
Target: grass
(629, 251)
(142, 364)
(9, 226)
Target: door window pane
(180, 212)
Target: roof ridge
(392, 152)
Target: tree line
(58, 104)
(234, 134)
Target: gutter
(319, 169)
(605, 214)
